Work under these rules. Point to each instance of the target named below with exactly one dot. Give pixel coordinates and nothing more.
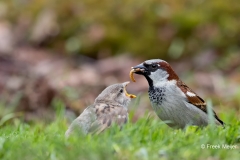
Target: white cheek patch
(190, 94)
(159, 76)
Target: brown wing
(194, 99)
(108, 114)
(83, 122)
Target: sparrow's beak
(139, 69)
(125, 91)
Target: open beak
(139, 69)
(125, 91)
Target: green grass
(148, 138)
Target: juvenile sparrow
(171, 99)
(109, 107)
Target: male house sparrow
(109, 107)
(170, 98)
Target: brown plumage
(109, 107)
(107, 115)
(195, 100)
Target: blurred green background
(169, 29)
(70, 50)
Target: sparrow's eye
(154, 66)
(121, 91)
